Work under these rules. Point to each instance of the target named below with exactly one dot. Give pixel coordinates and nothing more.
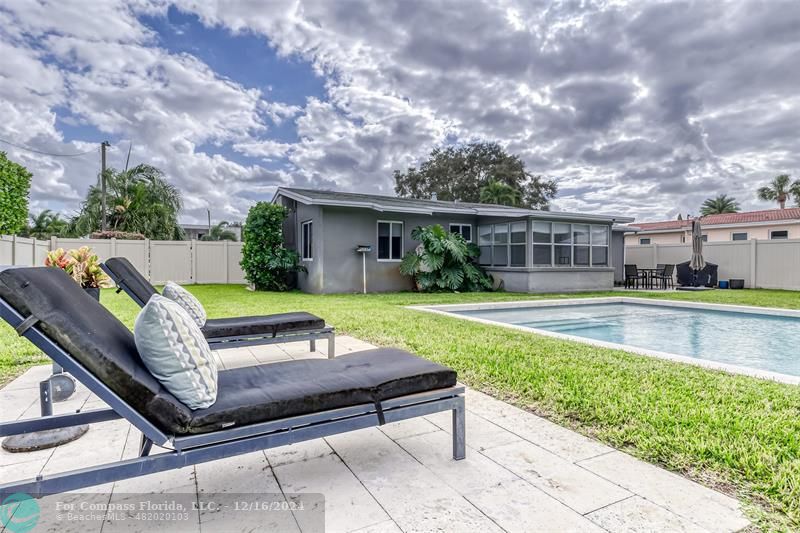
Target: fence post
(753, 262)
(53, 243)
(193, 260)
(13, 250)
(655, 254)
(147, 266)
(33, 252)
(113, 247)
(227, 263)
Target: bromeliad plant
(444, 261)
(82, 265)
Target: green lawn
(738, 434)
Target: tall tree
(460, 172)
(139, 200)
(718, 205)
(779, 190)
(496, 192)
(15, 185)
(47, 224)
(220, 232)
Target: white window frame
(649, 241)
(746, 235)
(571, 245)
(460, 226)
(778, 238)
(303, 256)
(377, 240)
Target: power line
(21, 147)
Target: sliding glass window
(502, 244)
(561, 244)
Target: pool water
(745, 339)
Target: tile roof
(748, 217)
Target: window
(779, 234)
(306, 242)
(542, 244)
(580, 239)
(644, 240)
(517, 244)
(485, 245)
(742, 236)
(563, 245)
(502, 244)
(390, 240)
(705, 237)
(465, 230)
(599, 245)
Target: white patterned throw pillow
(186, 299)
(175, 351)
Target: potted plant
(83, 266)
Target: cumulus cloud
(642, 109)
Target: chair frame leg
(459, 432)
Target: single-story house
(769, 224)
(198, 231)
(524, 249)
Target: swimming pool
(725, 336)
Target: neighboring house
(198, 231)
(527, 250)
(769, 224)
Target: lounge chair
(257, 407)
(222, 333)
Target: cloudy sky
(642, 109)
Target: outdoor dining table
(650, 274)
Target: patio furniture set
(255, 408)
(660, 277)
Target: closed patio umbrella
(697, 262)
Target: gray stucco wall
(618, 255)
(313, 280)
(345, 228)
(553, 279)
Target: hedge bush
(267, 264)
(15, 184)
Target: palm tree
(779, 190)
(497, 192)
(139, 200)
(220, 232)
(719, 205)
(46, 224)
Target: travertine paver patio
(522, 472)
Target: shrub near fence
(183, 262)
(762, 264)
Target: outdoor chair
(664, 276)
(222, 333)
(257, 407)
(633, 276)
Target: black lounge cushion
(216, 328)
(127, 275)
(105, 347)
(254, 394)
(92, 335)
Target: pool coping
(448, 309)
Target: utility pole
(209, 220)
(103, 222)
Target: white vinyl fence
(762, 264)
(160, 261)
